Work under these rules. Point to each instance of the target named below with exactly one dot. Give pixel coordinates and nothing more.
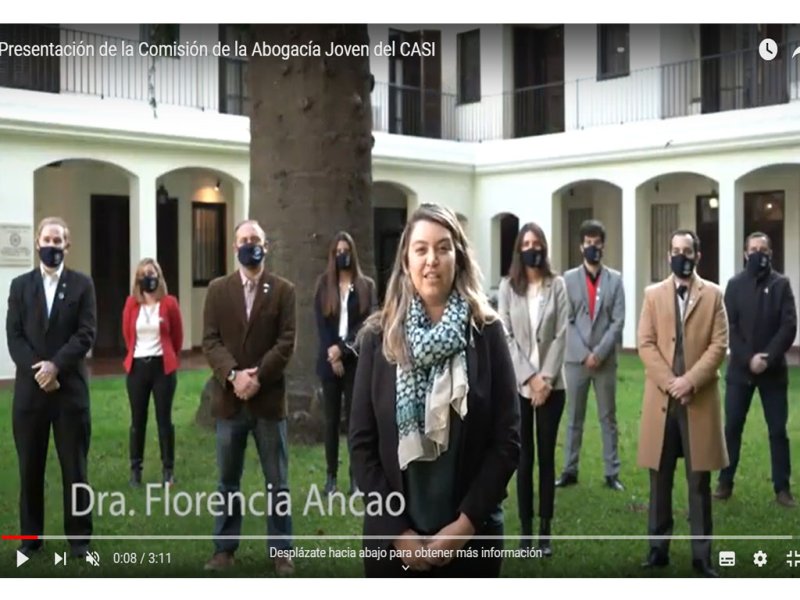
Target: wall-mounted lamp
(216, 187)
(769, 206)
(162, 195)
(572, 191)
(657, 187)
(713, 199)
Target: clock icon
(768, 49)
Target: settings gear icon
(760, 558)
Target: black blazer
(489, 446)
(328, 327)
(65, 338)
(768, 325)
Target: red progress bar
(20, 537)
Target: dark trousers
(273, 451)
(676, 444)
(464, 566)
(72, 432)
(333, 391)
(546, 418)
(774, 401)
(147, 377)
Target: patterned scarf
(436, 381)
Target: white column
(631, 241)
(143, 217)
(731, 230)
(185, 284)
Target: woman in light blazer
(533, 305)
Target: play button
(21, 559)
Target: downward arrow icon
(405, 567)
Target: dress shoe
(283, 566)
(723, 491)
(544, 538)
(220, 562)
(330, 485)
(704, 568)
(29, 550)
(655, 560)
(566, 480)
(785, 498)
(615, 484)
(169, 477)
(79, 552)
(136, 478)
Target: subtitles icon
(93, 559)
(727, 558)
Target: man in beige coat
(683, 338)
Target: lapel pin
(266, 288)
(61, 295)
(766, 290)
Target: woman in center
(533, 303)
(435, 415)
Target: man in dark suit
(763, 324)
(50, 327)
(248, 339)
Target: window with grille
(663, 221)
(208, 242)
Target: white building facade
(645, 127)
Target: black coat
(490, 441)
(328, 327)
(762, 317)
(65, 338)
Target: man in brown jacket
(683, 338)
(248, 339)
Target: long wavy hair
(400, 289)
(516, 273)
(327, 288)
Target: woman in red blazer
(153, 332)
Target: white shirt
(343, 317)
(148, 332)
(50, 283)
(534, 297)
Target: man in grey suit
(596, 301)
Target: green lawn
(586, 509)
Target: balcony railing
(729, 81)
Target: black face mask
(149, 283)
(593, 254)
(250, 255)
(51, 256)
(682, 265)
(758, 263)
(343, 260)
(532, 258)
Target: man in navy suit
(50, 327)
